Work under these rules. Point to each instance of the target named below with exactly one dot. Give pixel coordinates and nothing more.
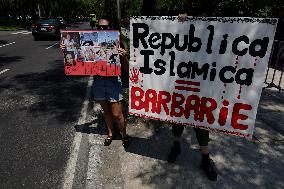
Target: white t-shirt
(68, 44)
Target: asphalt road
(39, 107)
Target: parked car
(47, 28)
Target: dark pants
(201, 134)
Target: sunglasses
(102, 27)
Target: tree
(72, 8)
(253, 8)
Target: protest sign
(204, 72)
(92, 52)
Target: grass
(11, 28)
(126, 43)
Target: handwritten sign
(204, 72)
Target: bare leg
(119, 118)
(117, 114)
(108, 116)
(204, 149)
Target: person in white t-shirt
(69, 43)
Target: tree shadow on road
(53, 92)
(40, 109)
(47, 39)
(4, 86)
(95, 126)
(4, 60)
(3, 42)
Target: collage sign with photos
(91, 52)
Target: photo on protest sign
(204, 72)
(91, 52)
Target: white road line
(21, 32)
(51, 46)
(25, 33)
(17, 32)
(95, 141)
(71, 164)
(3, 71)
(7, 44)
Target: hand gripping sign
(204, 72)
(91, 52)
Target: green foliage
(235, 8)
(136, 6)
(253, 8)
(126, 43)
(10, 28)
(72, 8)
(169, 7)
(51, 8)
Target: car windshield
(46, 21)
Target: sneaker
(125, 141)
(108, 140)
(175, 151)
(210, 170)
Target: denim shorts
(107, 88)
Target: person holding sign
(202, 136)
(108, 92)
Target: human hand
(182, 17)
(121, 52)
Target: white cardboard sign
(204, 72)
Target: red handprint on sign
(135, 73)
